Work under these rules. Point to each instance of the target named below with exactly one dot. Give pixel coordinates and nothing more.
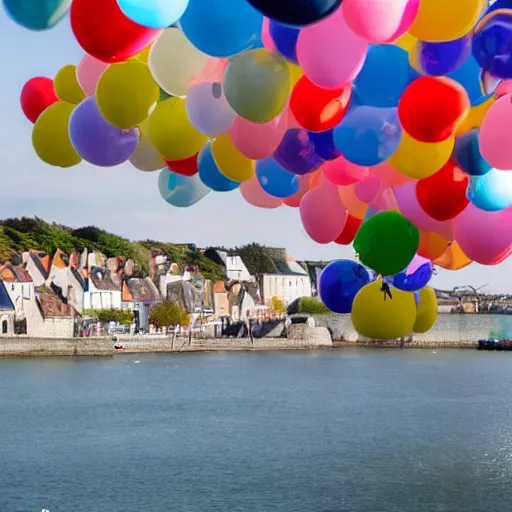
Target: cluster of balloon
(381, 121)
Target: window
(5, 327)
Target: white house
(236, 269)
(101, 291)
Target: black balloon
(296, 13)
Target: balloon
(426, 313)
(230, 162)
(416, 276)
(105, 33)
(296, 152)
(378, 21)
(495, 141)
(431, 108)
(467, 155)
(275, 180)
(257, 85)
(475, 117)
(469, 75)
(253, 193)
(352, 203)
(36, 96)
(174, 62)
(284, 39)
(324, 144)
(485, 237)
(88, 72)
(343, 172)
(210, 174)
(96, 140)
(67, 87)
(221, 28)
(443, 195)
(208, 110)
(212, 72)
(126, 93)
(432, 245)
(322, 213)
(491, 192)
(368, 136)
(317, 109)
(421, 159)
(40, 15)
(388, 66)
(153, 13)
(368, 188)
(186, 167)
(503, 88)
(439, 21)
(146, 158)
(339, 283)
(296, 14)
(171, 132)
(50, 136)
(388, 174)
(256, 140)
(379, 319)
(344, 58)
(387, 242)
(294, 201)
(453, 258)
(181, 191)
(439, 59)
(346, 237)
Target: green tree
(311, 306)
(168, 314)
(121, 316)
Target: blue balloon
(339, 283)
(469, 75)
(37, 15)
(467, 156)
(498, 4)
(209, 172)
(275, 180)
(153, 13)
(285, 40)
(368, 136)
(417, 298)
(491, 192)
(222, 28)
(438, 59)
(385, 75)
(296, 152)
(181, 191)
(414, 281)
(324, 144)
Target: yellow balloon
(406, 42)
(171, 133)
(143, 55)
(296, 74)
(50, 136)
(475, 117)
(126, 93)
(446, 20)
(426, 312)
(230, 161)
(421, 159)
(146, 158)
(66, 85)
(379, 319)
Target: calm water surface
(329, 431)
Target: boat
(118, 346)
(494, 344)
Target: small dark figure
(385, 290)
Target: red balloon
(36, 96)
(431, 108)
(186, 167)
(350, 230)
(317, 109)
(105, 33)
(443, 195)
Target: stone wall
(30, 347)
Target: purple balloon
(96, 140)
(296, 153)
(443, 58)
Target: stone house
(138, 295)
(101, 292)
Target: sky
(126, 201)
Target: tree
(277, 305)
(311, 306)
(121, 316)
(168, 314)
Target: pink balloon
(329, 53)
(385, 200)
(504, 87)
(253, 193)
(212, 72)
(380, 21)
(266, 38)
(88, 73)
(368, 188)
(322, 213)
(257, 141)
(342, 172)
(304, 181)
(416, 263)
(485, 237)
(495, 139)
(390, 175)
(410, 208)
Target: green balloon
(387, 242)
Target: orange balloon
(304, 181)
(432, 245)
(352, 203)
(315, 179)
(453, 258)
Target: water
(327, 431)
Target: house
(139, 295)
(7, 312)
(220, 300)
(314, 269)
(243, 299)
(235, 267)
(101, 291)
(38, 265)
(20, 287)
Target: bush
(168, 314)
(105, 316)
(277, 305)
(311, 306)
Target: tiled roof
(79, 278)
(52, 306)
(12, 274)
(42, 262)
(60, 260)
(143, 290)
(219, 287)
(101, 280)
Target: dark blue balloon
(438, 59)
(467, 156)
(339, 283)
(296, 153)
(415, 281)
(209, 173)
(469, 76)
(324, 144)
(499, 4)
(285, 40)
(275, 180)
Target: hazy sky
(126, 201)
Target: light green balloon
(256, 85)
